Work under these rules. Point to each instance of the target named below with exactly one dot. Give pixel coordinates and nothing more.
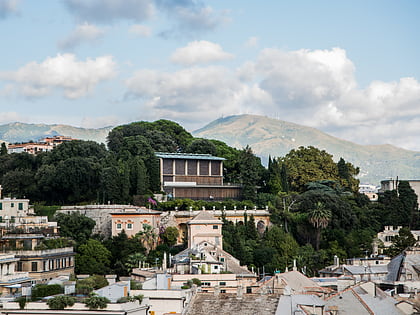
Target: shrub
(135, 285)
(42, 290)
(22, 302)
(134, 298)
(86, 286)
(94, 302)
(60, 302)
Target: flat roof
(188, 156)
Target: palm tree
(148, 237)
(319, 217)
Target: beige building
(10, 280)
(132, 221)
(206, 260)
(10, 208)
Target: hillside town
(173, 251)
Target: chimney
(294, 265)
(336, 261)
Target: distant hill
(268, 136)
(21, 132)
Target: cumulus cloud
(199, 52)
(316, 88)
(8, 8)
(84, 33)
(190, 17)
(140, 30)
(193, 94)
(109, 11)
(63, 72)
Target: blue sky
(349, 68)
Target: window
(222, 283)
(34, 266)
(129, 226)
(119, 226)
(20, 206)
(222, 259)
(19, 266)
(205, 284)
(216, 267)
(12, 204)
(222, 291)
(215, 227)
(1, 206)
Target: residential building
(11, 281)
(101, 214)
(194, 176)
(206, 260)
(24, 235)
(44, 145)
(133, 220)
(10, 208)
(387, 236)
(179, 218)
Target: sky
(348, 68)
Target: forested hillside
(315, 208)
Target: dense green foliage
(60, 302)
(96, 302)
(315, 208)
(42, 290)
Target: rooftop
(188, 156)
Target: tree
(400, 242)
(249, 173)
(3, 150)
(148, 237)
(319, 217)
(347, 174)
(201, 146)
(170, 235)
(409, 202)
(133, 261)
(308, 164)
(76, 226)
(93, 258)
(121, 247)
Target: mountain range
(275, 138)
(267, 137)
(22, 132)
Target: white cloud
(10, 117)
(190, 17)
(75, 78)
(99, 122)
(140, 30)
(316, 88)
(199, 52)
(8, 7)
(82, 33)
(108, 11)
(252, 42)
(193, 95)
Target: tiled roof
(204, 217)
